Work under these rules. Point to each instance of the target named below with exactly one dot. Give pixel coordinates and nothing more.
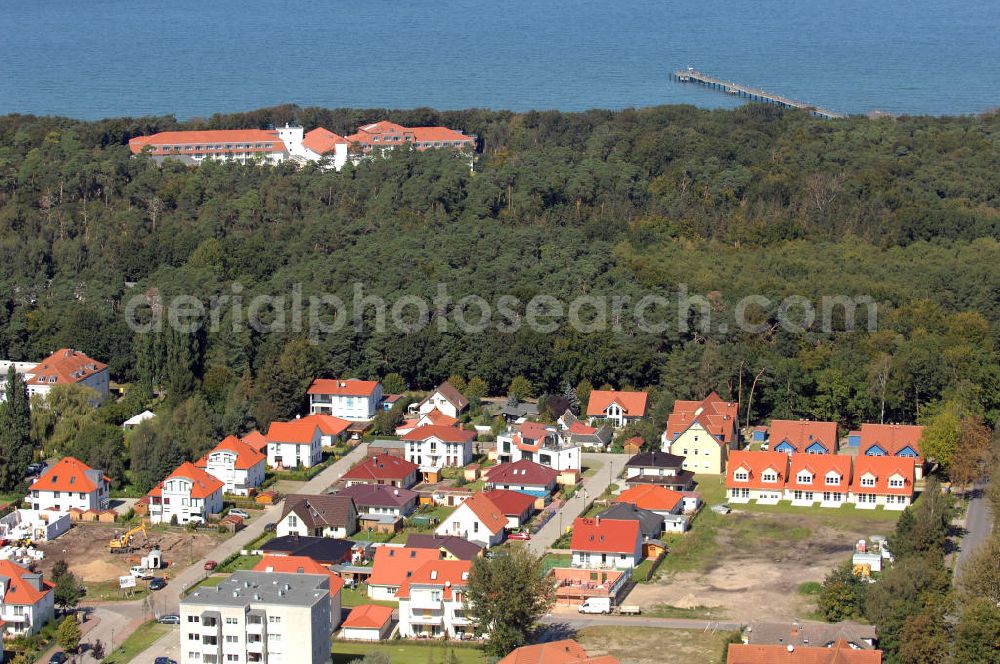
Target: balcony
(421, 601)
(426, 619)
(255, 627)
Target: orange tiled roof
(884, 467)
(69, 474)
(390, 133)
(511, 503)
(716, 416)
(368, 616)
(755, 463)
(524, 472)
(633, 403)
(488, 513)
(840, 653)
(65, 366)
(579, 427)
(205, 139)
(394, 564)
(299, 565)
(651, 497)
(448, 574)
(328, 424)
(820, 465)
(246, 456)
(566, 651)
(297, 432)
(381, 467)
(437, 418)
(256, 440)
(321, 140)
(800, 434)
(604, 535)
(19, 591)
(444, 434)
(350, 387)
(204, 485)
(891, 437)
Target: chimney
(33, 580)
(597, 521)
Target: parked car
(240, 513)
(169, 619)
(164, 660)
(197, 520)
(210, 565)
(522, 535)
(57, 658)
(270, 528)
(158, 583)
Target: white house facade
(189, 493)
(70, 484)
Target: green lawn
(142, 638)
(108, 591)
(591, 468)
(551, 560)
(239, 563)
(355, 597)
(403, 652)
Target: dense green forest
(728, 203)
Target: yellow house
(702, 432)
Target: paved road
(611, 466)
(565, 622)
(122, 618)
(978, 526)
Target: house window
(833, 480)
(868, 481)
(896, 483)
(769, 476)
(741, 475)
(805, 478)
(293, 521)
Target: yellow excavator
(124, 544)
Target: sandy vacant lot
(650, 645)
(753, 561)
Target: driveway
(978, 527)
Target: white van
(595, 605)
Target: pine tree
(570, 393)
(15, 432)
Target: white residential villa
(188, 493)
(237, 465)
(348, 399)
(69, 484)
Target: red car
(210, 565)
(523, 535)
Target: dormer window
(769, 476)
(741, 475)
(833, 480)
(868, 481)
(805, 478)
(896, 482)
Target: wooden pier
(691, 75)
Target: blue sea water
(103, 58)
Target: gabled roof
(651, 497)
(883, 468)
(296, 432)
(580, 428)
(325, 550)
(69, 474)
(321, 140)
(716, 416)
(394, 564)
(203, 485)
(350, 387)
(892, 438)
(755, 463)
(328, 424)
(511, 503)
(378, 495)
(801, 434)
(840, 653)
(385, 130)
(649, 521)
(211, 136)
(65, 366)
(368, 616)
(21, 584)
(246, 456)
(530, 435)
(435, 418)
(444, 434)
(445, 574)
(655, 459)
(820, 465)
(566, 651)
(523, 472)
(321, 511)
(605, 535)
(256, 440)
(381, 467)
(298, 565)
(451, 395)
(460, 548)
(632, 403)
(488, 513)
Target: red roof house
(617, 407)
(754, 475)
(602, 543)
(383, 469)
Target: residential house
(295, 444)
(516, 506)
(27, 600)
(658, 499)
(68, 367)
(445, 399)
(318, 516)
(381, 499)
(478, 520)
(566, 651)
(759, 476)
(237, 465)
(803, 436)
(605, 543)
(659, 468)
(332, 430)
(819, 478)
(525, 476)
(70, 484)
(316, 145)
(256, 440)
(258, 617)
(392, 566)
(800, 633)
(541, 443)
(435, 447)
(383, 469)
(322, 550)
(432, 601)
(518, 412)
(650, 523)
(367, 622)
(840, 652)
(396, 448)
(434, 418)
(901, 440)
(303, 565)
(188, 493)
(883, 480)
(449, 546)
(703, 432)
(350, 399)
(617, 408)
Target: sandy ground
(759, 564)
(645, 645)
(85, 548)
